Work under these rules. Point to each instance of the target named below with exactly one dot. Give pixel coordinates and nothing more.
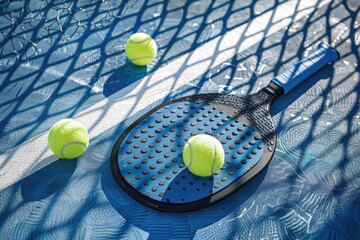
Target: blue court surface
(66, 59)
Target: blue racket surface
(160, 172)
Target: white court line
(30, 156)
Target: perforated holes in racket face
(150, 156)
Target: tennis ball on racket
(203, 155)
(68, 139)
(140, 49)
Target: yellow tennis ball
(68, 139)
(203, 155)
(140, 49)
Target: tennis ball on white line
(203, 155)
(68, 139)
(140, 49)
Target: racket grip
(306, 67)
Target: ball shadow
(179, 189)
(48, 180)
(124, 77)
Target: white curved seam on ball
(191, 155)
(139, 42)
(213, 162)
(68, 144)
(134, 59)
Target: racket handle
(306, 67)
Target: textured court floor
(64, 58)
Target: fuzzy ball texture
(140, 49)
(203, 155)
(68, 139)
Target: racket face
(147, 161)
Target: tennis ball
(203, 155)
(140, 49)
(68, 138)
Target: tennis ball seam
(191, 155)
(69, 144)
(149, 38)
(134, 59)
(213, 161)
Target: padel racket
(146, 160)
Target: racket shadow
(163, 225)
